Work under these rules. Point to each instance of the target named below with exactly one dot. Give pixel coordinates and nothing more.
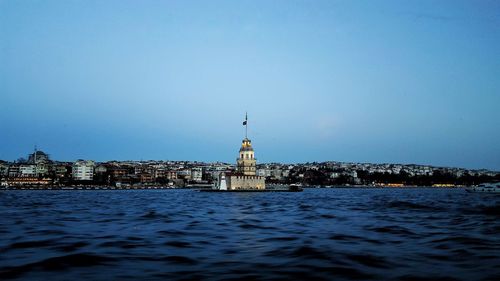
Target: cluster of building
(40, 170)
(342, 173)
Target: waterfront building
(264, 172)
(138, 170)
(4, 168)
(101, 169)
(160, 173)
(197, 174)
(62, 170)
(277, 174)
(42, 169)
(285, 173)
(146, 178)
(83, 170)
(171, 175)
(184, 174)
(245, 176)
(27, 170)
(14, 170)
(118, 172)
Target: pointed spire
(34, 155)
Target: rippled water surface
(320, 234)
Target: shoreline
(76, 188)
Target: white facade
(27, 170)
(83, 170)
(197, 174)
(264, 172)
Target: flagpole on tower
(246, 124)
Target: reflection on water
(321, 234)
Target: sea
(183, 234)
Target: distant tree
(22, 160)
(162, 180)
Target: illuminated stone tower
(246, 161)
(244, 178)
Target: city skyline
(28, 161)
(367, 82)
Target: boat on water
(295, 187)
(485, 187)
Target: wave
(58, 263)
(408, 205)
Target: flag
(244, 122)
(246, 119)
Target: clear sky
(361, 81)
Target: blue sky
(361, 81)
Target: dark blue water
(320, 234)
